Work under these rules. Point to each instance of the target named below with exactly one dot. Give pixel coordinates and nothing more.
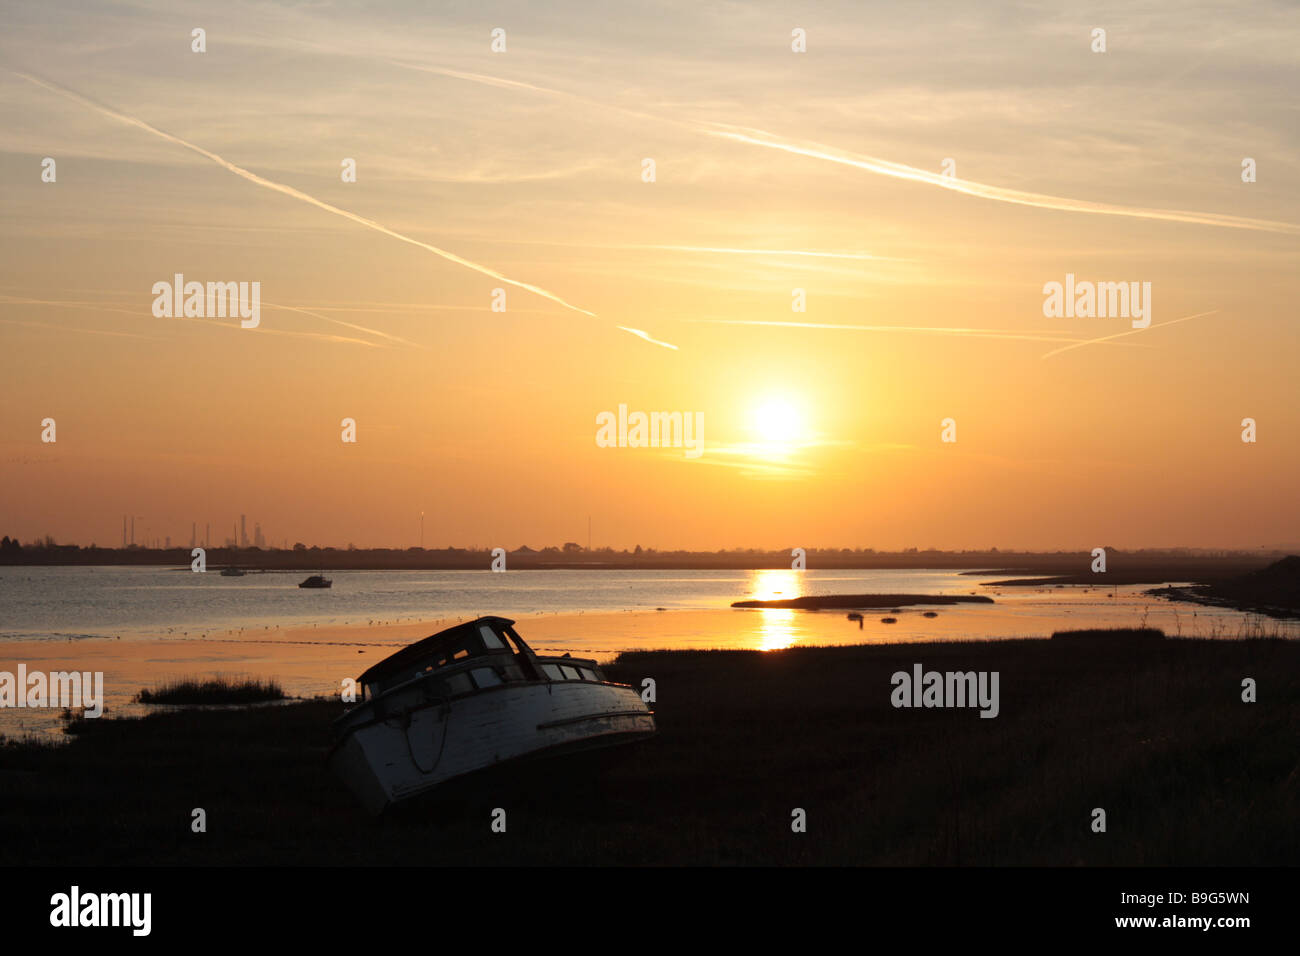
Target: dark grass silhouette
(214, 690)
(1155, 732)
(1112, 638)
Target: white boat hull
(420, 743)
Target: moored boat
(468, 698)
(316, 581)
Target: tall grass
(213, 690)
(1110, 637)
(1153, 731)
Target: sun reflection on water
(776, 629)
(774, 584)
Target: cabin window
(485, 677)
(570, 673)
(490, 639)
(552, 671)
(459, 684)
(588, 673)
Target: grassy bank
(1155, 733)
(215, 690)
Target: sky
(524, 169)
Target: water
(63, 603)
(76, 603)
(175, 623)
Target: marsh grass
(1154, 732)
(1113, 637)
(213, 690)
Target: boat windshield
(484, 640)
(491, 639)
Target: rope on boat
(445, 711)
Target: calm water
(62, 603)
(196, 625)
(72, 603)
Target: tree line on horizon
(47, 551)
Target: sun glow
(778, 421)
(774, 584)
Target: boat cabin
(486, 652)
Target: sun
(777, 420)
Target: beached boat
(232, 573)
(316, 581)
(468, 698)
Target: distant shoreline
(1124, 567)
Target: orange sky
(528, 163)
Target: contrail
(1118, 335)
(135, 313)
(485, 79)
(726, 250)
(884, 167)
(402, 308)
(348, 325)
(644, 335)
(932, 330)
(299, 194)
(324, 336)
(859, 256)
(64, 304)
(497, 81)
(74, 328)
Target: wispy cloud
(348, 325)
(885, 167)
(752, 467)
(65, 304)
(320, 336)
(207, 323)
(854, 256)
(922, 330)
(487, 80)
(857, 256)
(59, 327)
(1119, 335)
(299, 194)
(408, 307)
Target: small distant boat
(470, 697)
(317, 581)
(232, 573)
